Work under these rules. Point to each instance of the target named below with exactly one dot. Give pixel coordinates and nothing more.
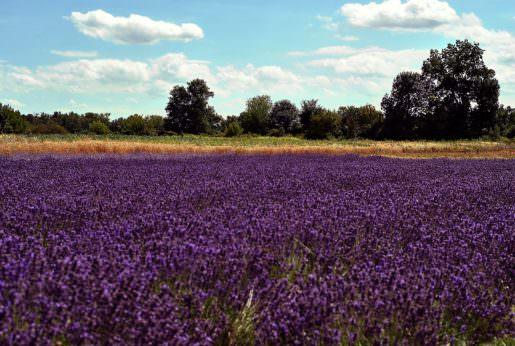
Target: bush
(98, 128)
(362, 122)
(48, 129)
(277, 132)
(324, 125)
(233, 129)
(505, 122)
(134, 125)
(155, 125)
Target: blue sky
(122, 57)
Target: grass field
(117, 144)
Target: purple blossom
(255, 249)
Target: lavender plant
(256, 250)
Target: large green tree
(256, 117)
(464, 88)
(309, 109)
(455, 96)
(188, 109)
(284, 117)
(405, 107)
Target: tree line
(455, 95)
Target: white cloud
(370, 61)
(331, 50)
(400, 15)
(74, 53)
(85, 76)
(328, 23)
(177, 65)
(155, 76)
(134, 29)
(437, 17)
(263, 79)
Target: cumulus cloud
(400, 15)
(135, 29)
(82, 76)
(373, 61)
(433, 16)
(262, 79)
(74, 53)
(152, 76)
(177, 65)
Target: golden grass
(12, 145)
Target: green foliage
(309, 109)
(360, 122)
(233, 129)
(154, 125)
(465, 90)
(50, 128)
(455, 96)
(11, 121)
(324, 125)
(70, 122)
(243, 328)
(504, 123)
(284, 117)
(188, 109)
(134, 125)
(256, 117)
(404, 106)
(98, 128)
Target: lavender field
(243, 250)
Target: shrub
(324, 125)
(48, 129)
(277, 132)
(363, 122)
(134, 125)
(154, 125)
(233, 129)
(98, 128)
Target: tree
(98, 128)
(256, 117)
(134, 125)
(188, 109)
(154, 125)
(284, 117)
(323, 125)
(233, 129)
(405, 107)
(309, 109)
(363, 122)
(465, 89)
(11, 121)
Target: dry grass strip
(391, 149)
